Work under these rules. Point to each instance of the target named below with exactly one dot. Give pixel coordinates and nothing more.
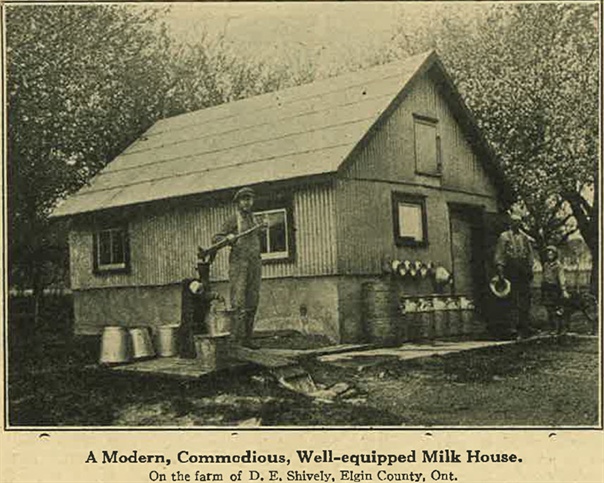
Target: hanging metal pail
(166, 341)
(115, 346)
(142, 346)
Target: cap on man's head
(243, 192)
(551, 248)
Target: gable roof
(297, 132)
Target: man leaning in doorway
(514, 261)
(245, 266)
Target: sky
(293, 31)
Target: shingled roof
(297, 132)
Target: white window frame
(281, 254)
(415, 201)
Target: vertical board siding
(386, 163)
(366, 231)
(164, 246)
(389, 154)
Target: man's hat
(243, 192)
(500, 287)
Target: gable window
(277, 241)
(409, 217)
(111, 250)
(427, 146)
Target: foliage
(83, 82)
(76, 97)
(530, 75)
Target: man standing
(514, 261)
(245, 266)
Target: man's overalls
(245, 273)
(515, 254)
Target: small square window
(409, 217)
(111, 250)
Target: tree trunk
(593, 243)
(587, 220)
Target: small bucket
(142, 347)
(115, 346)
(167, 341)
(219, 320)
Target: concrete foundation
(329, 306)
(308, 305)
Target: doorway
(467, 250)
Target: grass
(547, 382)
(541, 383)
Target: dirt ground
(549, 381)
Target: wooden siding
(385, 164)
(366, 230)
(389, 154)
(163, 245)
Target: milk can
(440, 317)
(454, 315)
(467, 315)
(409, 307)
(167, 340)
(426, 318)
(115, 346)
(142, 346)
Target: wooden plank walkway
(321, 351)
(262, 357)
(270, 359)
(165, 366)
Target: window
(409, 216)
(277, 241)
(427, 146)
(111, 250)
(274, 240)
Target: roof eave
(221, 193)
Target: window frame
(413, 199)
(111, 268)
(274, 205)
(432, 122)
